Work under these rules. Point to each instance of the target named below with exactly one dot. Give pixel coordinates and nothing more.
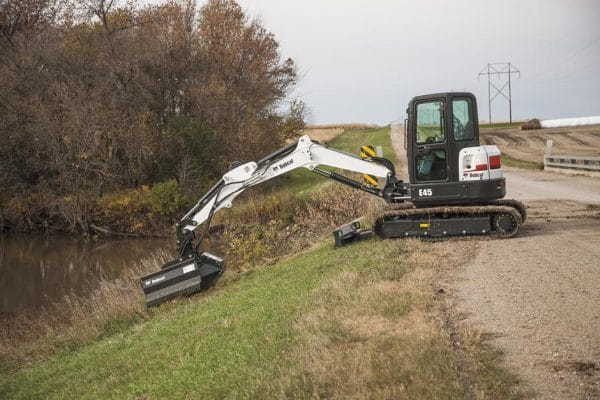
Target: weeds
(281, 225)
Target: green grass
(518, 163)
(228, 344)
(351, 140)
(495, 125)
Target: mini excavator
(456, 188)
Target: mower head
(182, 277)
(349, 233)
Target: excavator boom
(194, 269)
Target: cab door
(428, 144)
(465, 130)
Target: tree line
(101, 96)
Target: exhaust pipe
(182, 277)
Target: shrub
(141, 210)
(163, 198)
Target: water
(37, 270)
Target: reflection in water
(36, 270)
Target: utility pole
(499, 69)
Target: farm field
(530, 145)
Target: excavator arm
(195, 270)
(305, 153)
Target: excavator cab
(441, 133)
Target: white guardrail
(581, 163)
(573, 162)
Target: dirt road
(539, 185)
(536, 296)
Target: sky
(362, 61)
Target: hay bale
(531, 124)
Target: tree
(244, 77)
(99, 96)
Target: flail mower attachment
(351, 232)
(182, 277)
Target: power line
(499, 69)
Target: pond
(37, 270)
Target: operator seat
(467, 132)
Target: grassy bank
(263, 226)
(324, 323)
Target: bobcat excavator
(456, 188)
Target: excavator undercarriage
(501, 219)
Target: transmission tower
(499, 69)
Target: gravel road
(539, 185)
(536, 296)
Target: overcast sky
(362, 61)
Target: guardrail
(580, 163)
(573, 162)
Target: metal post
(548, 148)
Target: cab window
(462, 123)
(430, 122)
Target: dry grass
(275, 226)
(325, 133)
(368, 334)
(377, 332)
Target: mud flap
(181, 278)
(349, 233)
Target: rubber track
(463, 211)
